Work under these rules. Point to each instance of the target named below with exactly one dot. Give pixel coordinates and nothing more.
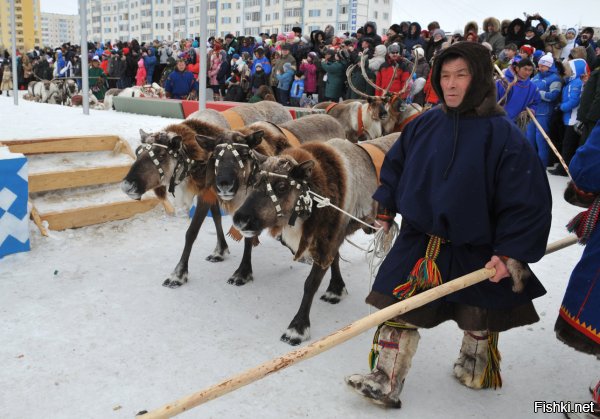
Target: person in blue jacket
(297, 89)
(577, 71)
(549, 84)
(578, 322)
(472, 193)
(520, 93)
(180, 82)
(150, 64)
(285, 78)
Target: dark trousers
(570, 143)
(283, 96)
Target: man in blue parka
(472, 193)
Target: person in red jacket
(386, 71)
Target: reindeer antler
(349, 78)
(364, 73)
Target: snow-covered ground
(87, 330)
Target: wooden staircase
(111, 159)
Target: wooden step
(49, 181)
(63, 144)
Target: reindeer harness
(304, 204)
(359, 119)
(230, 147)
(184, 163)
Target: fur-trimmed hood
(480, 99)
(471, 26)
(493, 21)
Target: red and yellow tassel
(425, 274)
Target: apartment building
(58, 29)
(147, 20)
(28, 21)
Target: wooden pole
(336, 338)
(549, 141)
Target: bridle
(304, 203)
(231, 147)
(184, 163)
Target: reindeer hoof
(175, 281)
(294, 338)
(240, 279)
(215, 258)
(333, 297)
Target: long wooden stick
(549, 141)
(336, 338)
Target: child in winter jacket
(140, 76)
(297, 89)
(259, 78)
(576, 71)
(309, 69)
(284, 83)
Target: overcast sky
(453, 14)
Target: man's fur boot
(478, 364)
(397, 346)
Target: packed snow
(88, 331)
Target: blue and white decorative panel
(14, 216)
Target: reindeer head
(154, 165)
(279, 188)
(232, 161)
(378, 107)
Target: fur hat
(572, 30)
(312, 55)
(297, 29)
(396, 28)
(394, 48)
(438, 32)
(418, 51)
(547, 60)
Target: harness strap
(292, 139)
(376, 155)
(233, 118)
(399, 127)
(330, 107)
(361, 126)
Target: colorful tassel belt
(425, 274)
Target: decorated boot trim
(374, 352)
(491, 377)
(425, 274)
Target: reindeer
(44, 91)
(166, 158)
(282, 202)
(362, 119)
(232, 165)
(241, 115)
(400, 112)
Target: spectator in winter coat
(309, 69)
(549, 86)
(576, 72)
(150, 65)
(421, 73)
(508, 53)
(213, 71)
(386, 71)
(533, 39)
(491, 34)
(370, 29)
(335, 69)
(394, 35)
(97, 79)
(117, 66)
(140, 76)
(570, 37)
(471, 27)
(520, 93)
(413, 38)
(585, 40)
(589, 106)
(516, 33)
(554, 41)
(297, 89)
(180, 83)
(277, 66)
(59, 65)
(164, 53)
(259, 78)
(260, 58)
(434, 45)
(285, 76)
(171, 64)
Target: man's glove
(519, 274)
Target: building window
(329, 12)
(225, 20)
(343, 10)
(375, 14)
(225, 6)
(314, 13)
